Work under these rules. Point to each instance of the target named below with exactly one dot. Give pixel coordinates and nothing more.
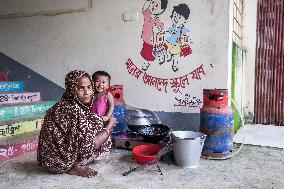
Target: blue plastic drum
(119, 114)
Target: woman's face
(84, 90)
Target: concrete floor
(263, 135)
(253, 167)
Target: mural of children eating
(161, 45)
(177, 41)
(152, 29)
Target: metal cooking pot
(154, 133)
(137, 121)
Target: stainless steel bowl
(137, 121)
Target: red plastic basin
(145, 153)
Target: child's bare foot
(83, 171)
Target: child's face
(155, 6)
(177, 18)
(101, 83)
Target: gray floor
(263, 135)
(253, 167)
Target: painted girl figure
(177, 34)
(152, 25)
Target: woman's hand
(104, 134)
(111, 123)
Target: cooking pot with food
(137, 121)
(154, 133)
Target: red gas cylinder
(117, 93)
(217, 122)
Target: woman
(71, 136)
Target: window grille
(237, 22)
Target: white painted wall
(230, 46)
(249, 44)
(99, 39)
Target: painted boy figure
(178, 34)
(152, 24)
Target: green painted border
(237, 119)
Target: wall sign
(8, 112)
(19, 128)
(11, 86)
(166, 44)
(14, 98)
(14, 150)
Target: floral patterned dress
(68, 131)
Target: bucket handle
(169, 138)
(203, 137)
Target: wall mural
(160, 44)
(175, 83)
(164, 43)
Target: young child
(103, 103)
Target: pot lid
(138, 118)
(138, 113)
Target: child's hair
(181, 9)
(101, 73)
(164, 4)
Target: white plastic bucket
(188, 147)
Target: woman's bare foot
(83, 171)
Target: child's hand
(105, 118)
(157, 29)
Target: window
(237, 22)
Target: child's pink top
(100, 106)
(149, 23)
